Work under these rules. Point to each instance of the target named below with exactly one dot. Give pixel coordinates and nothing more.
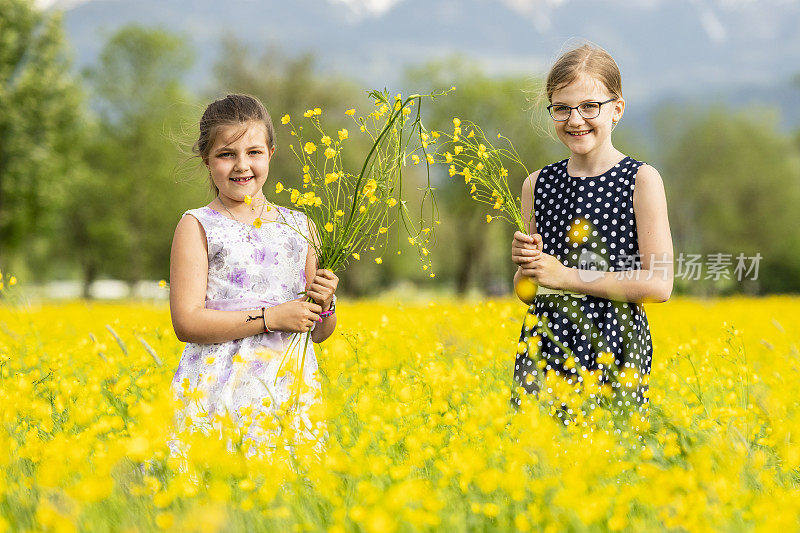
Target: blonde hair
(586, 58)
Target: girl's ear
(619, 109)
(272, 151)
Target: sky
(747, 48)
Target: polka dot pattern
(587, 223)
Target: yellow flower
(435, 134)
(356, 256)
(370, 187)
(456, 149)
(325, 140)
(471, 134)
(329, 227)
(295, 194)
(391, 202)
(305, 168)
(503, 172)
(339, 213)
(257, 223)
(415, 158)
(161, 284)
(378, 260)
(309, 113)
(473, 189)
(488, 218)
(331, 177)
(429, 159)
(579, 231)
(343, 134)
(310, 147)
(456, 122)
(606, 359)
(350, 112)
(317, 111)
(452, 170)
(362, 209)
(330, 153)
(285, 119)
(382, 230)
(247, 199)
(448, 157)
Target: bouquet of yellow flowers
(485, 171)
(351, 212)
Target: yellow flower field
(421, 433)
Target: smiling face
(239, 160)
(586, 136)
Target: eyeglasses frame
(599, 104)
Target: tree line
(96, 168)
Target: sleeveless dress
(248, 268)
(587, 223)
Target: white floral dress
(248, 268)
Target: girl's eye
(255, 152)
(224, 154)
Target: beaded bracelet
(326, 314)
(264, 318)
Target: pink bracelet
(326, 314)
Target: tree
(733, 184)
(40, 122)
(134, 197)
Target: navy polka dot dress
(587, 223)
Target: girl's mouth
(243, 179)
(579, 133)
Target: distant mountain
(666, 49)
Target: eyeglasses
(587, 110)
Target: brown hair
(232, 110)
(586, 59)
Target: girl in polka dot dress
(599, 245)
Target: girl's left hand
(322, 288)
(547, 271)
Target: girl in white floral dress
(241, 269)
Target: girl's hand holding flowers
(525, 247)
(322, 288)
(546, 270)
(294, 316)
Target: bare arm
(191, 320)
(653, 282)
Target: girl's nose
(241, 164)
(575, 118)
